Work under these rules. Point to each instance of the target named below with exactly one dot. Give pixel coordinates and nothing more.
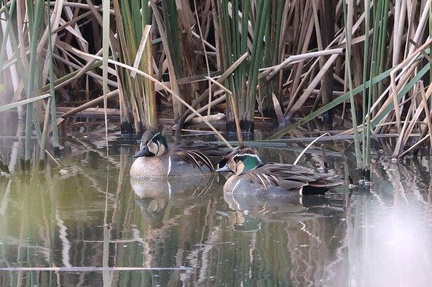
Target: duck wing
(201, 153)
(294, 177)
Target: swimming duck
(156, 160)
(251, 176)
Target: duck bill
(142, 152)
(223, 169)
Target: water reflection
(389, 231)
(90, 225)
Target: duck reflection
(276, 208)
(193, 222)
(154, 195)
(282, 229)
(166, 187)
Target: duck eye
(238, 159)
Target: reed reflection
(98, 227)
(296, 234)
(389, 231)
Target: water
(88, 225)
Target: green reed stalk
(383, 40)
(373, 91)
(138, 95)
(182, 50)
(170, 16)
(44, 136)
(348, 15)
(105, 38)
(237, 43)
(7, 11)
(234, 40)
(105, 55)
(262, 22)
(271, 56)
(174, 46)
(35, 22)
(366, 98)
(376, 64)
(228, 54)
(53, 106)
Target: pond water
(87, 224)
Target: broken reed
(289, 62)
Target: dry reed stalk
(161, 85)
(296, 30)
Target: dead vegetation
(361, 66)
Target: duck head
(242, 163)
(152, 145)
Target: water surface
(87, 224)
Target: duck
(253, 177)
(156, 159)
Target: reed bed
(358, 66)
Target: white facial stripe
(169, 166)
(248, 154)
(154, 137)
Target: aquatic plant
(361, 67)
